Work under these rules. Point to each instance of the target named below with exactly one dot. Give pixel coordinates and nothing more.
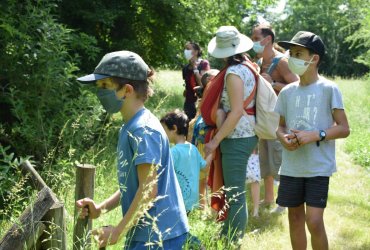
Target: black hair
(236, 59)
(266, 30)
(197, 48)
(178, 118)
(312, 52)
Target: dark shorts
(294, 191)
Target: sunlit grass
(356, 95)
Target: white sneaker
(278, 210)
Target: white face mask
(188, 54)
(298, 66)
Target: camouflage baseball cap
(124, 64)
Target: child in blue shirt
(187, 160)
(149, 193)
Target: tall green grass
(356, 95)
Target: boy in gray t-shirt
(311, 117)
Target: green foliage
(334, 21)
(157, 30)
(40, 100)
(12, 185)
(362, 38)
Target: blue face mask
(111, 103)
(258, 48)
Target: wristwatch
(273, 84)
(322, 135)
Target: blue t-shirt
(188, 162)
(143, 140)
(309, 108)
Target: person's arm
(90, 208)
(339, 130)
(284, 71)
(235, 90)
(143, 200)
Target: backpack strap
(274, 63)
(252, 110)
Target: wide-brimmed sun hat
(123, 64)
(228, 42)
(308, 40)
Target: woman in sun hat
(235, 136)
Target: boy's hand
(305, 137)
(107, 235)
(289, 141)
(88, 208)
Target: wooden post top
(83, 165)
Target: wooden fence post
(85, 176)
(28, 226)
(55, 236)
(37, 181)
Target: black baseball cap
(308, 40)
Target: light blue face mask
(108, 98)
(257, 47)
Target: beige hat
(228, 42)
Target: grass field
(356, 95)
(347, 216)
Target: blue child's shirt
(143, 140)
(188, 163)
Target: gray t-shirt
(309, 108)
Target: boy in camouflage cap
(149, 193)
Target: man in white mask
(312, 116)
(192, 74)
(274, 68)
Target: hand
(289, 141)
(210, 147)
(88, 208)
(305, 137)
(267, 77)
(107, 235)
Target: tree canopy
(45, 44)
(340, 23)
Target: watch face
(322, 135)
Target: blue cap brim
(91, 78)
